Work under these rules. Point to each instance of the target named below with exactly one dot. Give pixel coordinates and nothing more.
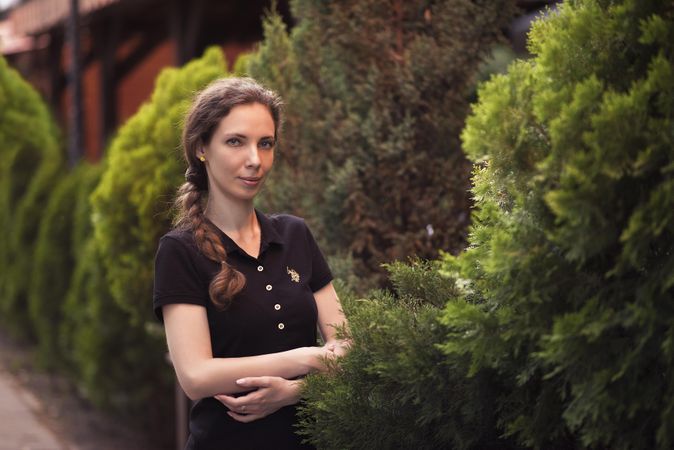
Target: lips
(251, 181)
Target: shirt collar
(268, 235)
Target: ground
(76, 423)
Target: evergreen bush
(377, 94)
(572, 247)
(52, 267)
(132, 202)
(115, 363)
(73, 304)
(396, 388)
(559, 318)
(30, 159)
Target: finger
(256, 382)
(244, 418)
(240, 404)
(226, 400)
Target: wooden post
(106, 41)
(184, 24)
(75, 136)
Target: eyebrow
(243, 136)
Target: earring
(202, 159)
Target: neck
(233, 218)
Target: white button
(269, 287)
(281, 326)
(277, 307)
(260, 268)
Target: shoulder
(178, 240)
(288, 227)
(286, 221)
(179, 234)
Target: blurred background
(93, 92)
(124, 44)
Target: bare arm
(274, 392)
(330, 315)
(201, 375)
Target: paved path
(20, 425)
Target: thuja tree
(30, 159)
(108, 354)
(396, 388)
(377, 94)
(132, 202)
(571, 258)
(52, 266)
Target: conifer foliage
(377, 94)
(559, 317)
(573, 247)
(30, 159)
(396, 388)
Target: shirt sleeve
(176, 279)
(320, 271)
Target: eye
(234, 142)
(267, 143)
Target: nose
(253, 157)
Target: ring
(243, 408)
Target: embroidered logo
(293, 275)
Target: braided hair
(208, 108)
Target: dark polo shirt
(275, 311)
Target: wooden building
(124, 44)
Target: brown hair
(209, 107)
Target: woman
(240, 293)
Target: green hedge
(396, 388)
(52, 266)
(114, 362)
(73, 304)
(30, 159)
(562, 326)
(132, 203)
(575, 235)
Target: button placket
(277, 306)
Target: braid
(228, 281)
(207, 110)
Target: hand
(314, 359)
(339, 348)
(270, 395)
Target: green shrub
(396, 389)
(73, 304)
(30, 159)
(572, 247)
(132, 203)
(52, 267)
(114, 361)
(377, 95)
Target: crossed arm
(201, 375)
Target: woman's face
(240, 153)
